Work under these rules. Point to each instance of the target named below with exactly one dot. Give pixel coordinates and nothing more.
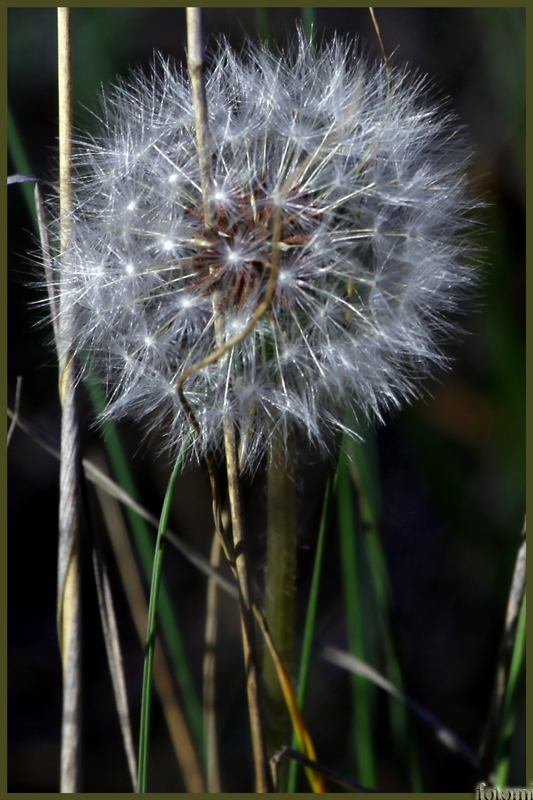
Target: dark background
(451, 466)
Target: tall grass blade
(503, 756)
(361, 692)
(509, 654)
(146, 704)
(363, 470)
(309, 22)
(280, 587)
(264, 28)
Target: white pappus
(368, 185)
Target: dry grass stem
(176, 722)
(492, 731)
(210, 728)
(383, 51)
(114, 657)
(15, 417)
(95, 475)
(69, 611)
(46, 253)
(195, 63)
(304, 739)
(338, 777)
(356, 666)
(251, 658)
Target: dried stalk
(68, 611)
(383, 51)
(489, 744)
(251, 661)
(94, 474)
(175, 718)
(114, 657)
(210, 638)
(15, 419)
(235, 550)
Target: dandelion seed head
(346, 180)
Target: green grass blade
(362, 692)
(503, 758)
(264, 28)
(309, 628)
(144, 543)
(309, 22)
(146, 703)
(363, 470)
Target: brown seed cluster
(233, 256)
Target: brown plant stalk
(235, 550)
(68, 610)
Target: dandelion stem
(305, 657)
(280, 585)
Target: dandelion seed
(357, 186)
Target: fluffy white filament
(371, 187)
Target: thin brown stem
(383, 51)
(235, 551)
(210, 728)
(114, 656)
(251, 659)
(195, 63)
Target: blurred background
(449, 469)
